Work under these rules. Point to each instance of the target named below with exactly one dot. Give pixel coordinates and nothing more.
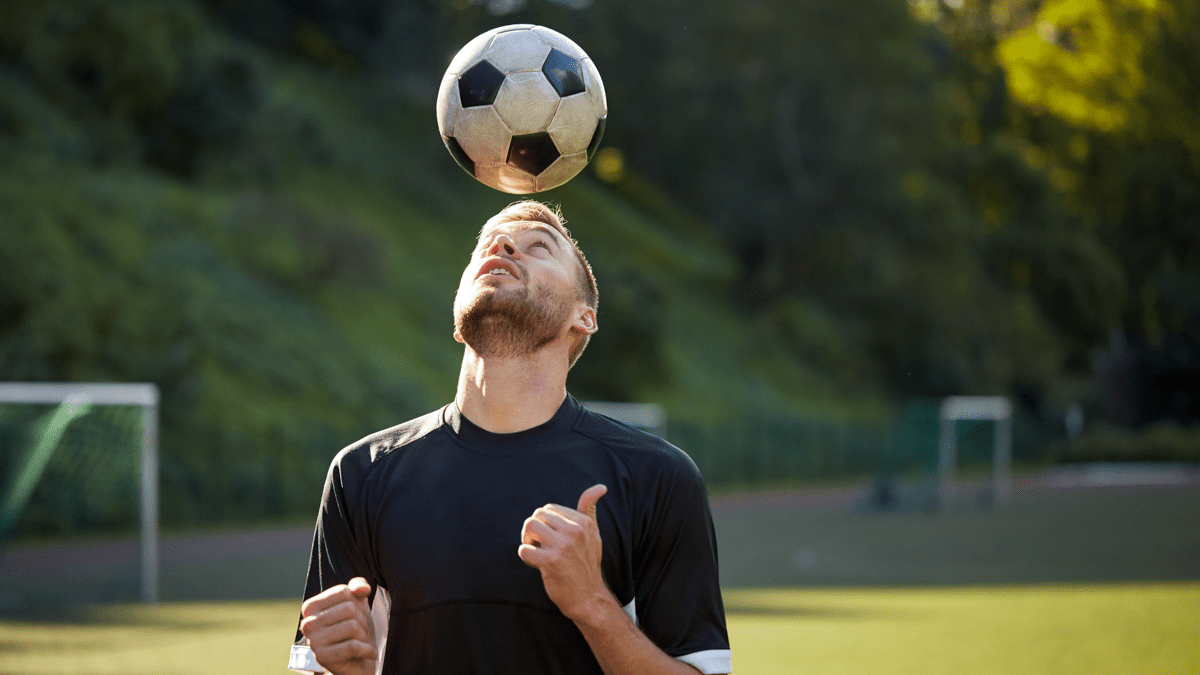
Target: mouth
(498, 267)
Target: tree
(1104, 99)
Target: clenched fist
(340, 630)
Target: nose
(503, 244)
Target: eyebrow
(544, 229)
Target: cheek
(468, 275)
(463, 288)
(554, 275)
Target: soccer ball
(522, 108)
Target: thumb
(359, 587)
(587, 500)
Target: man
(443, 545)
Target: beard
(509, 324)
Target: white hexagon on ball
(517, 51)
(488, 136)
(574, 123)
(526, 102)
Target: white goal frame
(143, 395)
(649, 417)
(997, 409)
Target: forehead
(519, 227)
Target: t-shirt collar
(478, 438)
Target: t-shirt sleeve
(677, 585)
(341, 545)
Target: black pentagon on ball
(459, 155)
(596, 136)
(479, 85)
(532, 153)
(564, 73)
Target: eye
(541, 243)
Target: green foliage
(830, 163)
(248, 204)
(285, 279)
(124, 59)
(109, 277)
(144, 80)
(1103, 108)
(1158, 442)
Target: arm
(620, 647)
(564, 545)
(335, 616)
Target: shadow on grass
(69, 616)
(817, 613)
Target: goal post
(74, 401)
(997, 409)
(649, 417)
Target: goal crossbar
(649, 417)
(142, 394)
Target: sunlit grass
(1094, 629)
(166, 639)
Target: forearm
(622, 649)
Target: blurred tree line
(879, 199)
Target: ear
(584, 320)
(458, 336)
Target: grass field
(1096, 581)
(1131, 629)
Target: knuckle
(332, 655)
(311, 607)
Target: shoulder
(645, 454)
(667, 496)
(362, 456)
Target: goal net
(78, 493)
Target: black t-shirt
(430, 513)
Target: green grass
(166, 639)
(1095, 629)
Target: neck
(507, 395)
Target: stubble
(509, 323)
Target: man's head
(527, 284)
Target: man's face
(517, 293)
